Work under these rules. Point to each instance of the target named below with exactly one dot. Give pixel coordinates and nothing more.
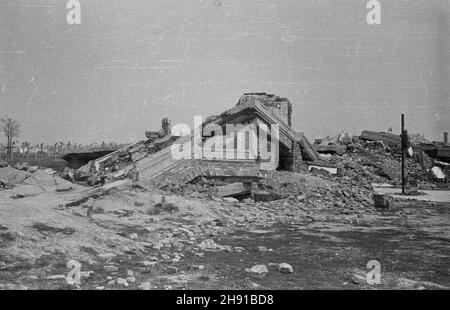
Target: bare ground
(328, 248)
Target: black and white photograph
(234, 147)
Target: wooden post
(403, 154)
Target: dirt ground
(208, 243)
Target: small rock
(146, 286)
(357, 279)
(228, 248)
(33, 169)
(301, 197)
(64, 187)
(255, 285)
(172, 269)
(165, 257)
(134, 236)
(56, 277)
(285, 268)
(230, 199)
(262, 249)
(149, 264)
(258, 270)
(107, 255)
(110, 268)
(111, 283)
(123, 282)
(208, 244)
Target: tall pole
(403, 154)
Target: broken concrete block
(42, 179)
(438, 173)
(331, 149)
(49, 171)
(172, 269)
(33, 169)
(107, 255)
(383, 201)
(146, 286)
(230, 199)
(56, 277)
(4, 184)
(389, 138)
(123, 282)
(13, 176)
(285, 268)
(62, 185)
(262, 249)
(232, 189)
(258, 270)
(330, 170)
(22, 191)
(110, 268)
(149, 264)
(390, 169)
(21, 166)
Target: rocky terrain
(319, 231)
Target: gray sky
(130, 63)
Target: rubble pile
(24, 181)
(119, 164)
(315, 192)
(200, 187)
(377, 162)
(365, 163)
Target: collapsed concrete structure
(150, 163)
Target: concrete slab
(428, 195)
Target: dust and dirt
(209, 243)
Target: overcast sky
(130, 63)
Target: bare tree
(11, 129)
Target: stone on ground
(22, 191)
(285, 268)
(13, 176)
(258, 270)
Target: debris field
(137, 218)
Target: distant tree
(11, 129)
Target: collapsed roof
(152, 162)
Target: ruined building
(153, 164)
